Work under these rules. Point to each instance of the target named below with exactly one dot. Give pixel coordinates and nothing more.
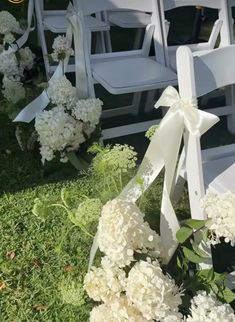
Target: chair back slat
(213, 70)
(172, 4)
(92, 6)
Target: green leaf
(202, 235)
(191, 256)
(195, 224)
(183, 234)
(207, 274)
(228, 295)
(198, 250)
(178, 262)
(40, 209)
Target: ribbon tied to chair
(74, 30)
(163, 153)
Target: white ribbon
(22, 40)
(42, 101)
(163, 152)
(77, 21)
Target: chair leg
(100, 46)
(42, 41)
(149, 105)
(108, 43)
(138, 38)
(230, 100)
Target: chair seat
(129, 19)
(132, 74)
(219, 175)
(58, 23)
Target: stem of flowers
(83, 229)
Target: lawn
(43, 260)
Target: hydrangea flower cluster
(12, 64)
(145, 294)
(220, 209)
(58, 131)
(106, 282)
(139, 292)
(118, 310)
(206, 307)
(62, 92)
(122, 231)
(153, 293)
(61, 49)
(9, 26)
(62, 129)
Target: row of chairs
(117, 72)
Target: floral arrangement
(13, 64)
(69, 123)
(132, 280)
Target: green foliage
(183, 234)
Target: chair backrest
(198, 75)
(93, 6)
(220, 5)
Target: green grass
(33, 274)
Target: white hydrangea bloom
(8, 23)
(8, 63)
(206, 307)
(61, 49)
(106, 282)
(154, 294)
(122, 231)
(26, 58)
(13, 90)
(58, 131)
(118, 310)
(88, 110)
(220, 209)
(61, 92)
(8, 38)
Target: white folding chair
(211, 168)
(56, 22)
(130, 71)
(221, 25)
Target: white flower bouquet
(13, 64)
(68, 124)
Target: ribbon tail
(207, 120)
(22, 40)
(93, 251)
(32, 109)
(80, 60)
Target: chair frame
(41, 28)
(89, 7)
